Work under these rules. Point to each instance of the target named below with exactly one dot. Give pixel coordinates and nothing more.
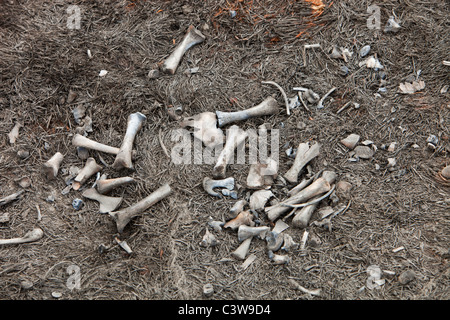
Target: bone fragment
(124, 245)
(241, 252)
(320, 104)
(205, 128)
(243, 218)
(90, 168)
(14, 133)
(208, 240)
(79, 140)
(245, 231)
(11, 197)
(304, 155)
(261, 175)
(51, 167)
(283, 93)
(31, 236)
(209, 185)
(106, 185)
(238, 207)
(277, 258)
(107, 204)
(259, 199)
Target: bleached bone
(241, 252)
(268, 107)
(107, 204)
(51, 167)
(124, 245)
(209, 185)
(318, 187)
(283, 93)
(106, 185)
(303, 184)
(274, 241)
(320, 104)
(123, 158)
(31, 236)
(124, 216)
(302, 217)
(14, 133)
(277, 258)
(235, 137)
(245, 232)
(259, 199)
(304, 155)
(90, 168)
(191, 38)
(79, 140)
(243, 218)
(208, 240)
(205, 128)
(289, 243)
(315, 292)
(11, 197)
(216, 225)
(262, 174)
(238, 207)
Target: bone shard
(14, 133)
(124, 216)
(238, 207)
(209, 185)
(106, 185)
(124, 157)
(243, 218)
(277, 258)
(235, 137)
(191, 38)
(268, 107)
(241, 252)
(90, 168)
(11, 197)
(261, 175)
(205, 128)
(79, 140)
(31, 236)
(302, 217)
(259, 199)
(245, 232)
(318, 187)
(107, 204)
(51, 167)
(304, 155)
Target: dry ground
(42, 59)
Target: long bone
(107, 204)
(302, 217)
(51, 167)
(191, 38)
(106, 185)
(304, 155)
(11, 197)
(124, 216)
(209, 185)
(31, 236)
(268, 107)
(90, 168)
(81, 141)
(318, 187)
(245, 232)
(205, 128)
(235, 137)
(123, 158)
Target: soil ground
(43, 58)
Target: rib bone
(268, 107)
(205, 128)
(90, 168)
(107, 204)
(235, 137)
(31, 236)
(191, 38)
(106, 185)
(209, 185)
(124, 216)
(123, 158)
(51, 167)
(304, 155)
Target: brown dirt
(41, 60)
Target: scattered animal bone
(392, 25)
(208, 290)
(318, 187)
(191, 38)
(124, 245)
(31, 236)
(209, 185)
(79, 140)
(283, 93)
(274, 241)
(238, 207)
(106, 185)
(268, 107)
(262, 174)
(251, 258)
(124, 216)
(4, 217)
(351, 141)
(107, 204)
(371, 63)
(51, 167)
(410, 88)
(303, 242)
(303, 184)
(205, 128)
(289, 243)
(123, 158)
(14, 133)
(216, 225)
(235, 137)
(315, 200)
(302, 217)
(341, 53)
(277, 258)
(320, 104)
(229, 193)
(241, 252)
(243, 218)
(245, 232)
(308, 46)
(11, 197)
(208, 240)
(316, 292)
(259, 199)
(90, 168)
(304, 155)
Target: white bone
(123, 158)
(191, 38)
(124, 245)
(209, 185)
(107, 204)
(238, 207)
(11, 197)
(208, 240)
(51, 167)
(216, 225)
(205, 128)
(268, 107)
(304, 155)
(124, 216)
(302, 217)
(106, 185)
(235, 137)
(241, 252)
(245, 232)
(277, 258)
(261, 174)
(259, 198)
(31, 236)
(320, 104)
(90, 168)
(289, 243)
(79, 140)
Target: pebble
(343, 186)
(351, 141)
(208, 290)
(364, 51)
(363, 152)
(23, 154)
(406, 277)
(56, 294)
(77, 204)
(446, 172)
(26, 284)
(343, 71)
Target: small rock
(343, 186)
(406, 277)
(77, 204)
(392, 25)
(391, 162)
(363, 152)
(343, 71)
(364, 51)
(351, 141)
(26, 284)
(391, 147)
(82, 153)
(56, 294)
(102, 73)
(23, 154)
(153, 74)
(208, 290)
(446, 172)
(432, 141)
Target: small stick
(282, 92)
(300, 95)
(320, 104)
(343, 107)
(162, 144)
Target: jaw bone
(124, 216)
(191, 38)
(123, 158)
(51, 167)
(90, 168)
